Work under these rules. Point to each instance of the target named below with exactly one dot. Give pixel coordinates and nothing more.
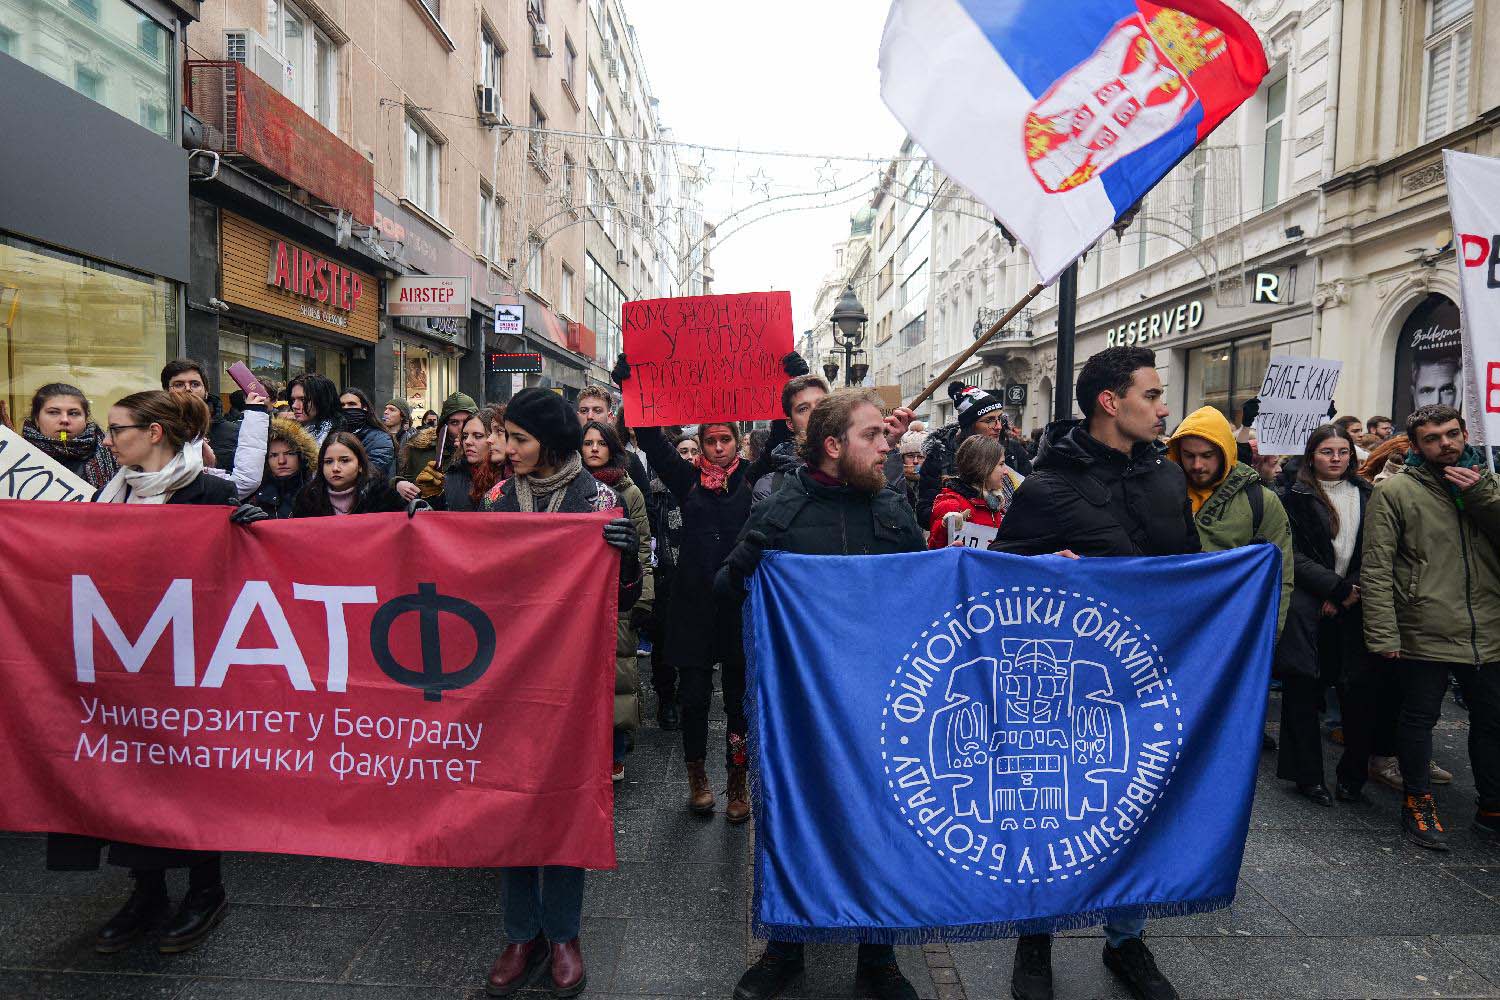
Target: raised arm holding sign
(706, 357)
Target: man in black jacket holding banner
(836, 503)
(1103, 486)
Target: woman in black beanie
(544, 906)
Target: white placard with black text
(1294, 399)
(26, 473)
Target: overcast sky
(795, 75)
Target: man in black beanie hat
(979, 412)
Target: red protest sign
(262, 691)
(706, 357)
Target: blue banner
(962, 744)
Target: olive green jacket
(1226, 521)
(1431, 576)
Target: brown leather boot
(700, 796)
(738, 810)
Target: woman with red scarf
(714, 494)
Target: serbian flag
(1059, 117)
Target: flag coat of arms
(1009, 746)
(1060, 123)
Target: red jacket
(957, 498)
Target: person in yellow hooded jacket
(1231, 506)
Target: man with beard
(835, 504)
(1430, 584)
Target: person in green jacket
(416, 473)
(1432, 603)
(1223, 490)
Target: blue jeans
(547, 901)
(621, 745)
(1120, 931)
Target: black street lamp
(848, 322)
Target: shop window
(1445, 66)
(1429, 358)
(66, 318)
(1270, 164)
(421, 377)
(1231, 374)
(423, 168)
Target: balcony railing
(246, 116)
(1019, 327)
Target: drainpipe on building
(1330, 140)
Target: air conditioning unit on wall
(541, 40)
(488, 100)
(246, 46)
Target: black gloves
(416, 504)
(793, 365)
(247, 514)
(1249, 412)
(620, 372)
(620, 533)
(1333, 408)
(740, 564)
(640, 617)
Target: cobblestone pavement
(1332, 903)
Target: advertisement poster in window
(1429, 358)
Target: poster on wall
(1429, 358)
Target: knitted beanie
(972, 403)
(401, 405)
(546, 416)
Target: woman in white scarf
(151, 435)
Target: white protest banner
(29, 474)
(1473, 184)
(977, 536)
(1294, 400)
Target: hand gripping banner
(963, 744)
(422, 692)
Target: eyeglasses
(115, 429)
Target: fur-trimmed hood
(288, 430)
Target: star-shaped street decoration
(828, 176)
(760, 181)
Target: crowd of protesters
(1389, 546)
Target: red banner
(420, 692)
(706, 357)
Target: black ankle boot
(200, 913)
(667, 716)
(145, 907)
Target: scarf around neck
(547, 491)
(132, 485)
(88, 447)
(715, 478)
(610, 475)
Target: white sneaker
(1387, 771)
(1437, 775)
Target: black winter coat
(702, 628)
(277, 496)
(941, 462)
(378, 497)
(1087, 497)
(811, 518)
(76, 852)
(1311, 645)
(223, 435)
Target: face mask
(355, 419)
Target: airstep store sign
(273, 275)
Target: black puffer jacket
(223, 434)
(784, 464)
(1087, 497)
(812, 518)
(941, 462)
(1311, 645)
(701, 627)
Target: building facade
(1387, 290)
(91, 91)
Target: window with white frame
(595, 96)
(565, 293)
(311, 61)
(534, 266)
(1445, 66)
(424, 157)
(491, 61)
(1270, 162)
(491, 225)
